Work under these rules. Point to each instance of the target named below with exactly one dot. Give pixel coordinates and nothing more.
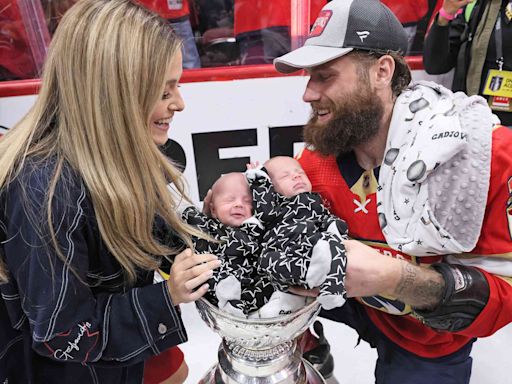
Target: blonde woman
(85, 213)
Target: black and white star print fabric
(238, 249)
(302, 243)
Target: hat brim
(308, 56)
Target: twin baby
(271, 232)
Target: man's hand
(188, 272)
(304, 292)
(368, 271)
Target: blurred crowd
(215, 32)
(244, 32)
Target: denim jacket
(78, 321)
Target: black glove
(465, 295)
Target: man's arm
(422, 288)
(369, 273)
(445, 297)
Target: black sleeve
(199, 220)
(442, 45)
(244, 241)
(68, 321)
(205, 224)
(266, 200)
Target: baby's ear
(213, 213)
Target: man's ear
(383, 71)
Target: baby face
(287, 175)
(231, 200)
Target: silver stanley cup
(260, 351)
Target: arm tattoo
(420, 287)
(407, 279)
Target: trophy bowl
(257, 334)
(259, 350)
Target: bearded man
(422, 177)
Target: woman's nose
(177, 103)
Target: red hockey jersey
(350, 193)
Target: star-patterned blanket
(234, 285)
(302, 242)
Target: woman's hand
(188, 272)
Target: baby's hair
(267, 163)
(221, 179)
(272, 159)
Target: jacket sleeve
(442, 45)
(70, 321)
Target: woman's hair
(104, 73)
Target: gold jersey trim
(366, 185)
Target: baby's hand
(190, 271)
(254, 165)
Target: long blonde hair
(102, 78)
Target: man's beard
(355, 119)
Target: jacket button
(162, 328)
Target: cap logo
(363, 35)
(320, 23)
